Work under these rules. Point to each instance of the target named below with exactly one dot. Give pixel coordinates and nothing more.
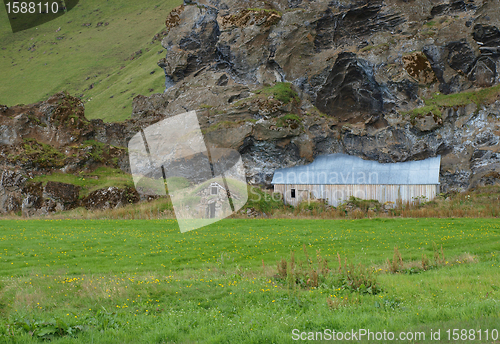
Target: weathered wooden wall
(336, 194)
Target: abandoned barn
(337, 177)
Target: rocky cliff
(286, 80)
(54, 136)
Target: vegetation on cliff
(438, 101)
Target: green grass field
(83, 281)
(39, 62)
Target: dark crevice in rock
(357, 22)
(452, 7)
(350, 89)
(461, 57)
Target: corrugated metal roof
(347, 169)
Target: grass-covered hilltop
(103, 52)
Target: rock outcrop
(283, 81)
(110, 198)
(64, 195)
(20, 195)
(369, 79)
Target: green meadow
(245, 281)
(100, 51)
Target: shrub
(307, 274)
(262, 201)
(291, 120)
(359, 279)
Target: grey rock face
(452, 8)
(194, 43)
(350, 89)
(354, 22)
(12, 181)
(11, 185)
(359, 70)
(111, 197)
(354, 73)
(64, 195)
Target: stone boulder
(66, 195)
(461, 57)
(33, 199)
(484, 71)
(109, 198)
(11, 184)
(488, 38)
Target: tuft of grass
(289, 119)
(160, 208)
(364, 204)
(313, 273)
(205, 106)
(383, 46)
(178, 182)
(281, 91)
(256, 9)
(40, 154)
(435, 104)
(101, 178)
(223, 125)
(263, 201)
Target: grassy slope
(101, 54)
(144, 282)
(102, 177)
(437, 102)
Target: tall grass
(156, 209)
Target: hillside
(101, 52)
(281, 82)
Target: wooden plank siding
(337, 194)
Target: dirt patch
(419, 68)
(252, 17)
(174, 18)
